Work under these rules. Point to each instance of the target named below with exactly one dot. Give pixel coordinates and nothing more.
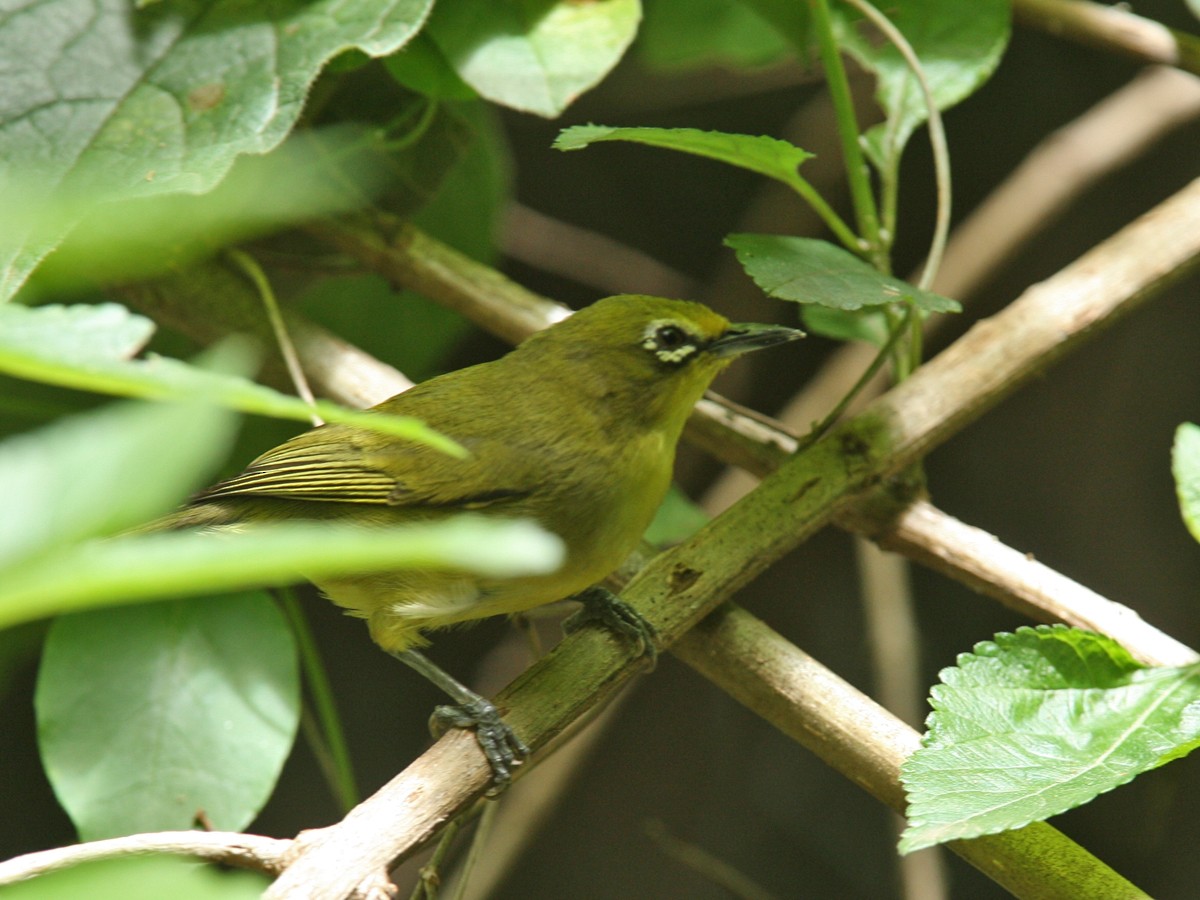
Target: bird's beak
(743, 338)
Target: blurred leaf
(958, 44)
(534, 55)
(48, 337)
(137, 568)
(150, 715)
(788, 17)
(141, 878)
(422, 67)
(123, 103)
(758, 153)
(405, 328)
(692, 34)
(1039, 722)
(868, 324)
(320, 174)
(804, 270)
(84, 333)
(99, 472)
(1185, 465)
(677, 519)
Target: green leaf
(690, 34)
(319, 174)
(137, 878)
(45, 350)
(420, 66)
(677, 519)
(136, 568)
(1039, 722)
(1185, 465)
(150, 715)
(958, 44)
(121, 102)
(804, 270)
(759, 153)
(534, 55)
(868, 325)
(99, 472)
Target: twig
(1111, 28)
(247, 851)
(681, 586)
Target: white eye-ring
(669, 342)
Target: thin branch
(246, 851)
(679, 587)
(1111, 28)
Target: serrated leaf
(804, 270)
(758, 153)
(1185, 466)
(958, 44)
(534, 55)
(1039, 722)
(120, 103)
(137, 568)
(150, 715)
(138, 878)
(47, 338)
(99, 472)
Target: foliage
(138, 142)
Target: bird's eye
(669, 336)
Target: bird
(575, 429)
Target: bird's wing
(333, 465)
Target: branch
(247, 851)
(1112, 28)
(678, 588)
(867, 744)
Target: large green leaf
(1185, 465)
(142, 567)
(1036, 723)
(45, 346)
(99, 472)
(804, 270)
(151, 715)
(109, 101)
(759, 153)
(690, 34)
(534, 55)
(958, 44)
(141, 878)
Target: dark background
(1074, 468)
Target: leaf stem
(871, 243)
(340, 770)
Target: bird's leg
(499, 743)
(603, 607)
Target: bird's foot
(603, 607)
(499, 743)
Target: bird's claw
(605, 608)
(499, 743)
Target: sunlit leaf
(1036, 723)
(140, 878)
(534, 55)
(142, 567)
(114, 102)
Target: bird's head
(650, 357)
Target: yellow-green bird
(575, 429)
